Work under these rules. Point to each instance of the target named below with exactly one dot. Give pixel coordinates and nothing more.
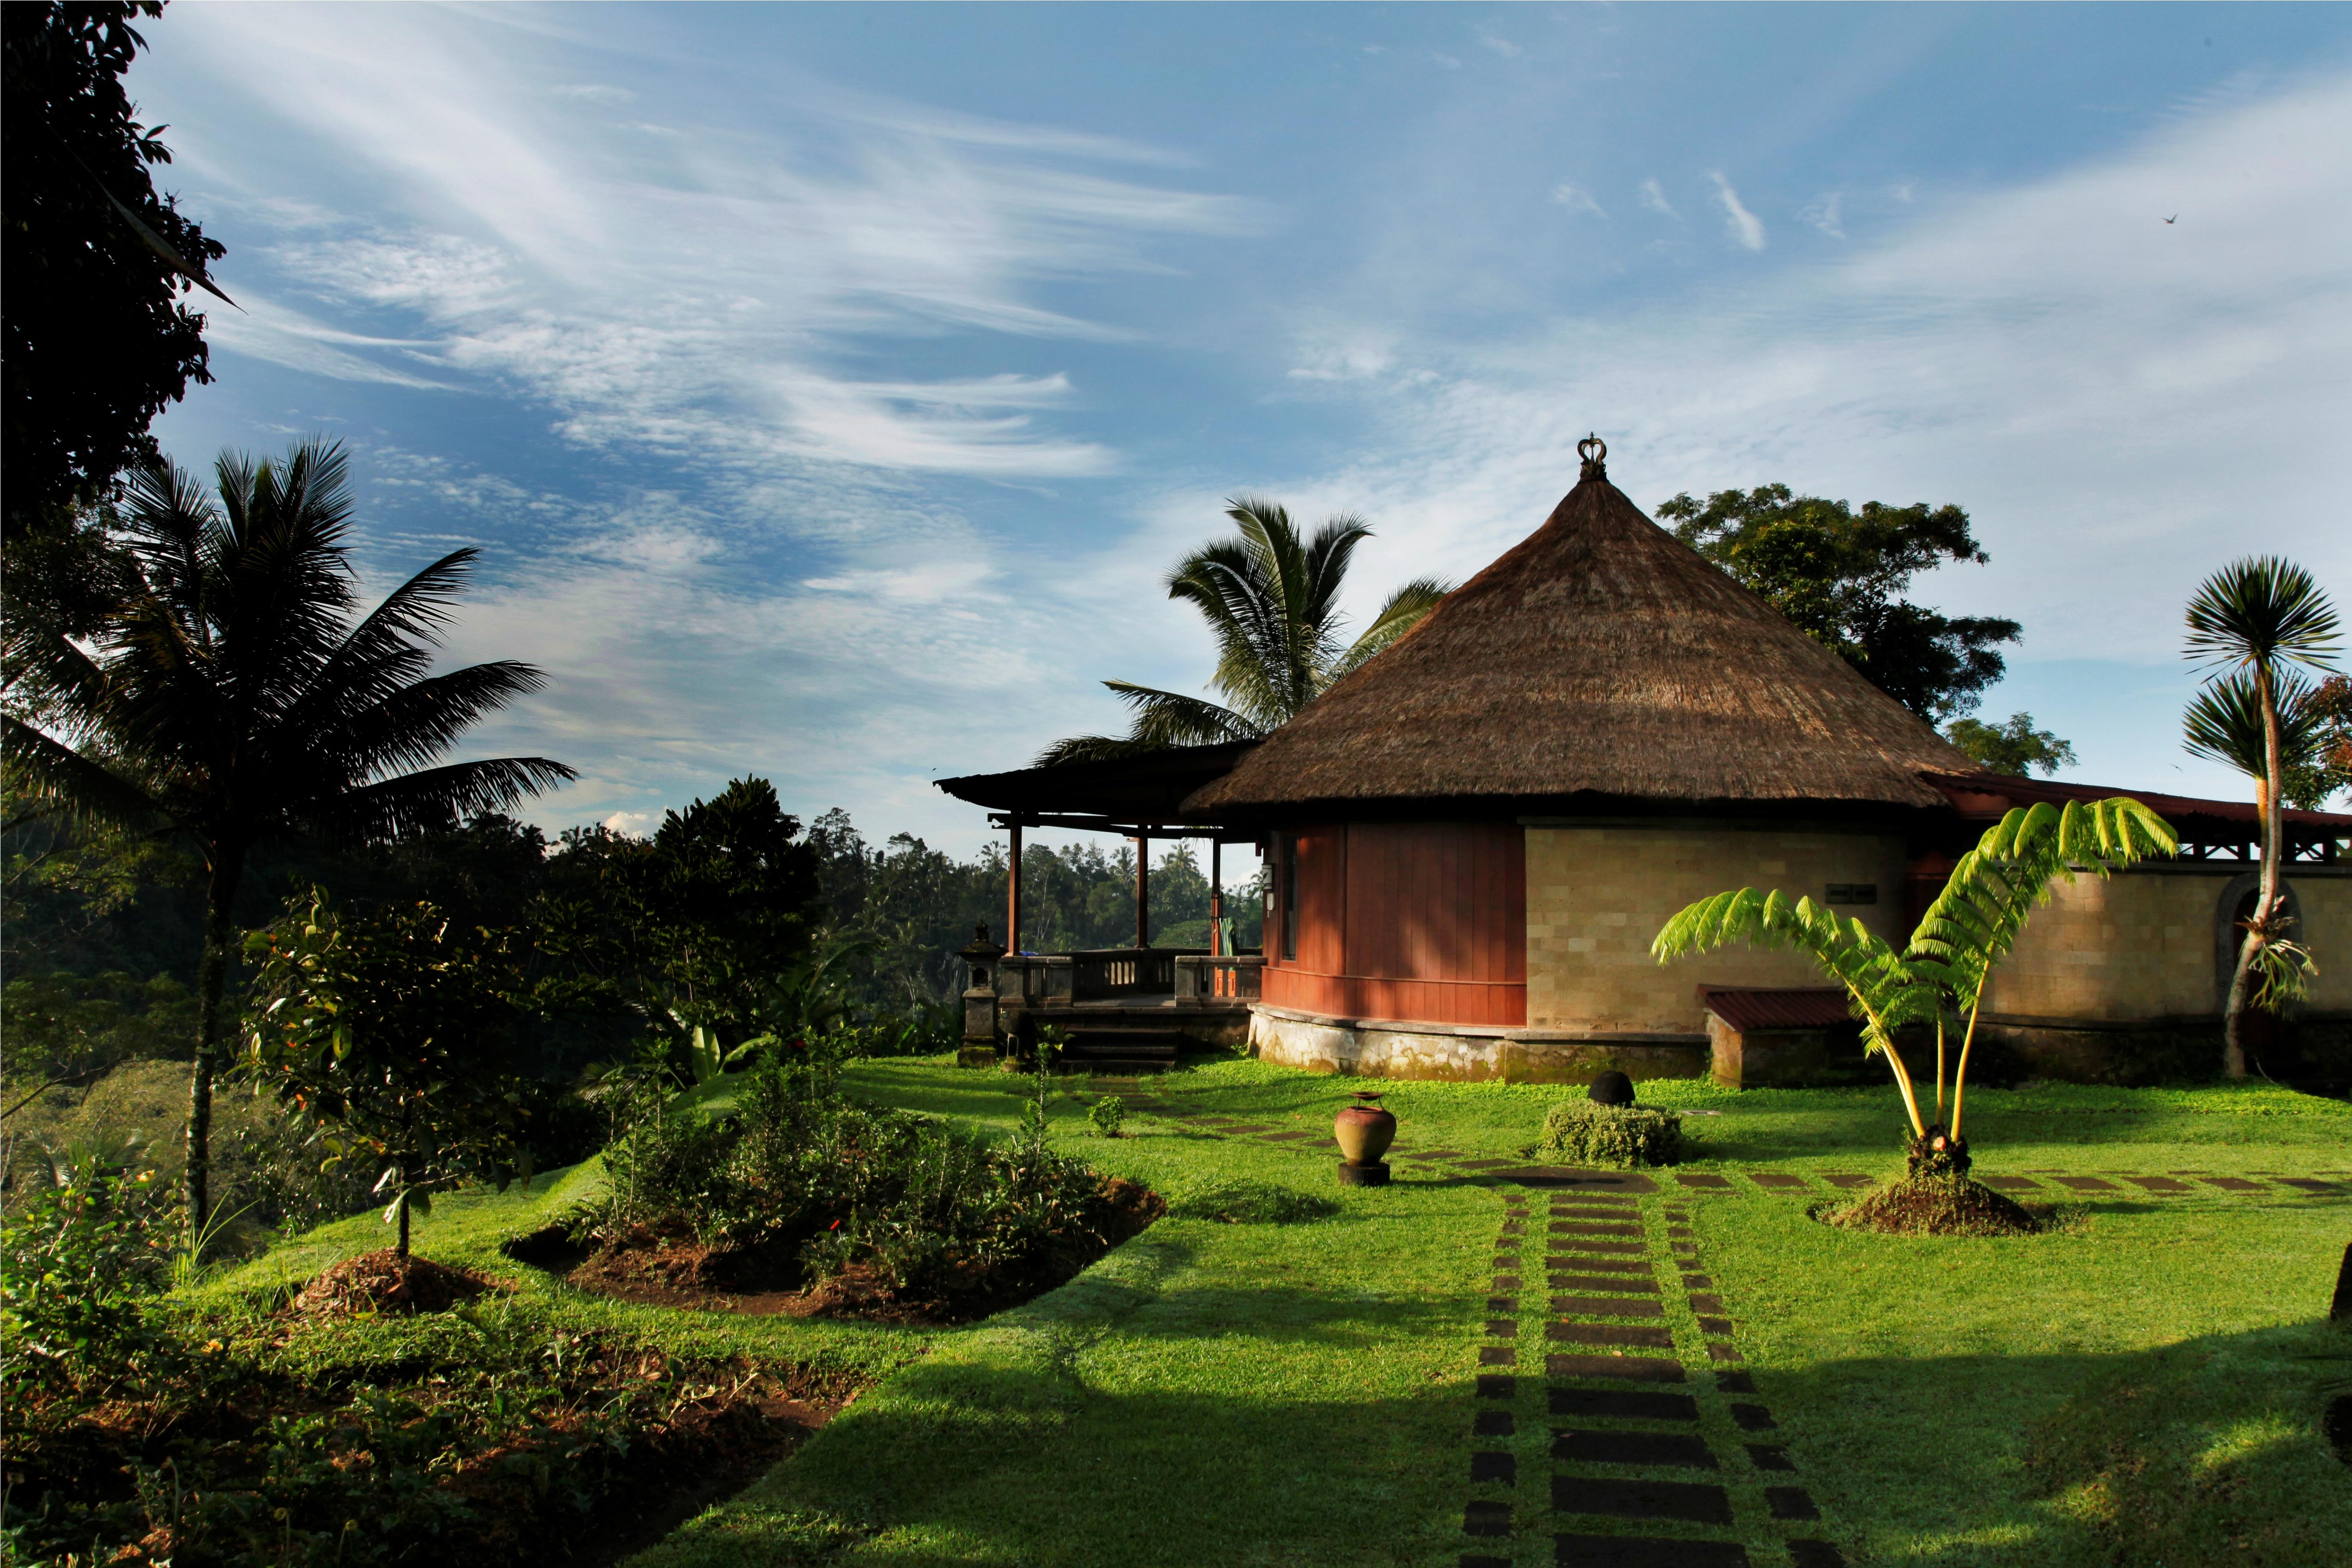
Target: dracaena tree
(1937, 980)
(1272, 601)
(231, 695)
(2255, 620)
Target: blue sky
(829, 388)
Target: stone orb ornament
(1611, 1088)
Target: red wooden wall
(1424, 921)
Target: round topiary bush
(1614, 1136)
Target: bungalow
(1474, 837)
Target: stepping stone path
(1800, 1182)
(1636, 1443)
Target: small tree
(394, 1035)
(1939, 979)
(2014, 747)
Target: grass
(2142, 1385)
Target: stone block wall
(2148, 943)
(1597, 897)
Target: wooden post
(1142, 887)
(1216, 896)
(1013, 894)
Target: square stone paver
(1608, 1307)
(1629, 1284)
(1689, 1501)
(1626, 1368)
(1641, 1551)
(1610, 1334)
(1681, 1449)
(1623, 1403)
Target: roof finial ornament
(1594, 451)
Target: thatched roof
(1600, 663)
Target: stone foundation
(1378, 1048)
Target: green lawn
(2140, 1386)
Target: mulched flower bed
(666, 1266)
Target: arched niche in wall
(2236, 904)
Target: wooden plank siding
(1414, 921)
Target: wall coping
(1483, 1031)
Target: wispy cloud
(688, 294)
(1654, 196)
(1577, 200)
(1823, 214)
(1499, 45)
(1745, 229)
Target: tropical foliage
(229, 697)
(1938, 979)
(1272, 601)
(2248, 624)
(99, 338)
(1839, 575)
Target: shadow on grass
(2207, 1452)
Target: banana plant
(1977, 918)
(1886, 991)
(1941, 976)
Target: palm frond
(409, 727)
(1092, 749)
(1884, 991)
(1162, 720)
(2259, 611)
(1406, 609)
(436, 798)
(2224, 723)
(79, 787)
(1171, 719)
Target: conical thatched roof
(1605, 660)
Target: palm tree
(2254, 617)
(1941, 975)
(229, 696)
(2224, 724)
(1272, 601)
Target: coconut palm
(1272, 601)
(229, 696)
(2256, 617)
(1939, 977)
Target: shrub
(1617, 1136)
(1107, 1116)
(78, 1252)
(1256, 1203)
(802, 1184)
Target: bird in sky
(2174, 218)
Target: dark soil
(565, 1489)
(666, 1266)
(385, 1282)
(1938, 1206)
(702, 1467)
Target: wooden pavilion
(1476, 836)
